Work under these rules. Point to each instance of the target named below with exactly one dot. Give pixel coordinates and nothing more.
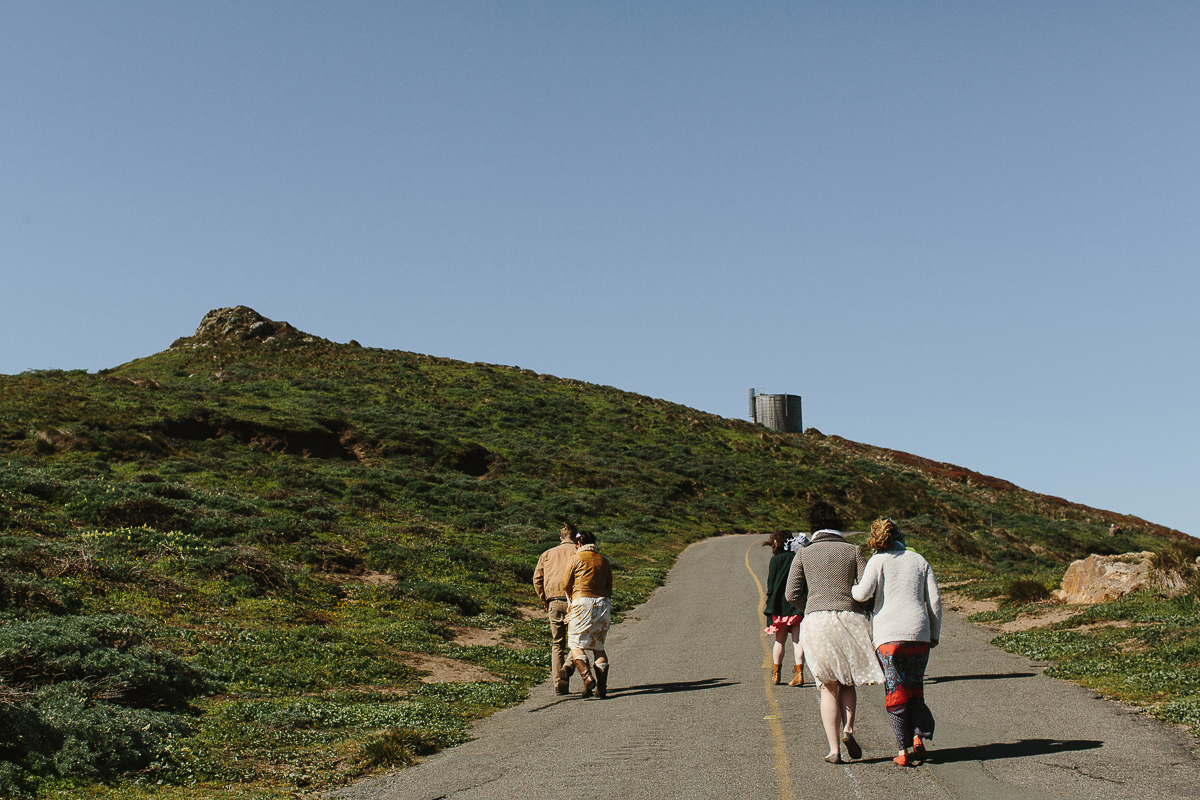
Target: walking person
(837, 635)
(907, 623)
(548, 577)
(784, 617)
(588, 584)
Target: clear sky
(966, 230)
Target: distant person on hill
(837, 634)
(784, 617)
(588, 584)
(907, 623)
(548, 579)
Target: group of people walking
(856, 621)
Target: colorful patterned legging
(903, 666)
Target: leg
(777, 655)
(557, 613)
(600, 662)
(579, 658)
(847, 701)
(831, 718)
(798, 650)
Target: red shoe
(919, 748)
(903, 761)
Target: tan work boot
(798, 678)
(775, 674)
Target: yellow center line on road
(783, 771)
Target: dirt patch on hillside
(967, 605)
(447, 670)
(1025, 621)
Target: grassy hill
(225, 568)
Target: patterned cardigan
(823, 573)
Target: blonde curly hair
(883, 533)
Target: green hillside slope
(227, 567)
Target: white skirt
(588, 620)
(837, 648)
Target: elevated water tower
(779, 412)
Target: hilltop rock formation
(241, 324)
(1098, 579)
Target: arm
(608, 579)
(933, 606)
(569, 577)
(864, 590)
(539, 579)
(796, 592)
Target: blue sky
(970, 231)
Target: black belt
(552, 599)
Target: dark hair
(583, 537)
(777, 542)
(821, 515)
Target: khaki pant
(557, 613)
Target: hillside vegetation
(225, 568)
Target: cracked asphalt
(687, 717)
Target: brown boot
(798, 678)
(589, 685)
(775, 674)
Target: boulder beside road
(1098, 579)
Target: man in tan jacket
(548, 579)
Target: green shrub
(1023, 592)
(396, 747)
(109, 652)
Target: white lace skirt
(838, 649)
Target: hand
(933, 642)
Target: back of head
(884, 533)
(777, 542)
(822, 516)
(583, 537)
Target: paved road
(692, 714)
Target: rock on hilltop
(241, 324)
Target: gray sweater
(823, 573)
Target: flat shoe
(852, 748)
(919, 748)
(903, 761)
(834, 759)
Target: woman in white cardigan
(906, 623)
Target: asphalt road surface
(691, 713)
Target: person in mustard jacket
(588, 584)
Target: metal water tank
(779, 412)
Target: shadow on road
(992, 676)
(671, 688)
(648, 688)
(1018, 749)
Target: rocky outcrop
(241, 324)
(1098, 579)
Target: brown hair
(884, 533)
(777, 542)
(583, 537)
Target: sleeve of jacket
(796, 592)
(933, 603)
(569, 577)
(539, 578)
(608, 579)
